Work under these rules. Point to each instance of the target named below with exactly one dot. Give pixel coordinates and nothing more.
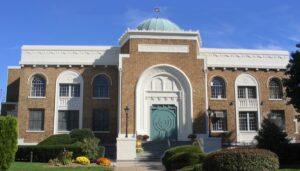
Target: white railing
(69, 102)
(247, 103)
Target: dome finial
(156, 10)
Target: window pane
(36, 120)
(63, 90)
(252, 121)
(68, 120)
(251, 92)
(219, 123)
(100, 120)
(277, 117)
(275, 89)
(218, 88)
(100, 86)
(243, 121)
(38, 86)
(75, 90)
(242, 92)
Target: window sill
(218, 99)
(219, 131)
(33, 131)
(104, 132)
(100, 98)
(249, 132)
(275, 99)
(63, 132)
(36, 97)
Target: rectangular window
(75, 90)
(219, 121)
(100, 120)
(248, 121)
(246, 92)
(69, 90)
(36, 120)
(63, 90)
(68, 120)
(277, 117)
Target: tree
(271, 137)
(292, 82)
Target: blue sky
(255, 24)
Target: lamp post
(126, 111)
(210, 113)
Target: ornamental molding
(245, 58)
(163, 48)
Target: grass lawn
(25, 166)
(290, 168)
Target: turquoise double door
(163, 123)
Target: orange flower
(103, 161)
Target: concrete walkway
(137, 166)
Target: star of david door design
(163, 122)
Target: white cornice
(69, 55)
(245, 58)
(144, 34)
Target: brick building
(172, 86)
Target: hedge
(59, 139)
(184, 148)
(241, 159)
(196, 167)
(181, 156)
(81, 134)
(8, 141)
(183, 159)
(43, 153)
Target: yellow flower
(83, 160)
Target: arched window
(38, 86)
(218, 88)
(100, 86)
(275, 89)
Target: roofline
(245, 51)
(135, 33)
(67, 47)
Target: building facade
(172, 86)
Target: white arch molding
(75, 103)
(246, 79)
(164, 84)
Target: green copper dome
(158, 24)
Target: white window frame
(224, 118)
(248, 121)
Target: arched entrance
(164, 103)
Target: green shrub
(271, 137)
(8, 141)
(185, 148)
(45, 153)
(182, 159)
(81, 134)
(179, 150)
(90, 147)
(241, 159)
(196, 167)
(59, 139)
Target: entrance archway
(166, 88)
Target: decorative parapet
(245, 58)
(69, 55)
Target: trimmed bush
(196, 167)
(45, 153)
(189, 154)
(183, 159)
(241, 159)
(59, 139)
(185, 148)
(8, 141)
(81, 134)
